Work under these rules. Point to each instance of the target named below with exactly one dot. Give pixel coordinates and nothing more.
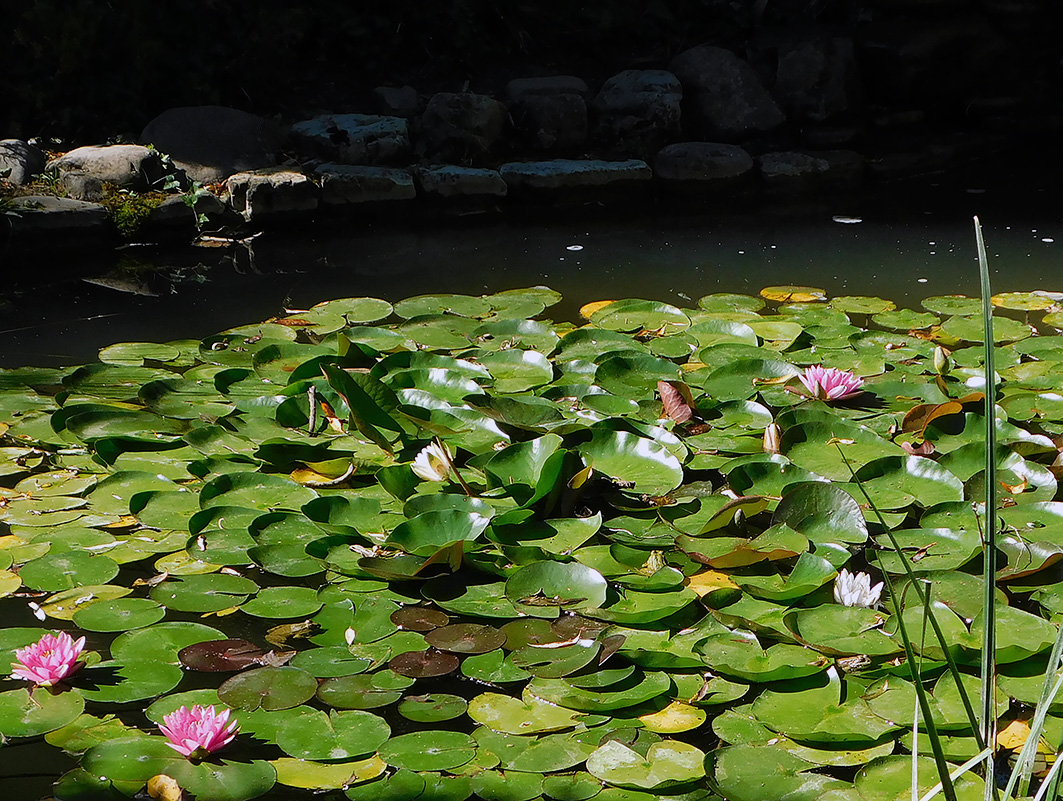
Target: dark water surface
(914, 240)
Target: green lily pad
(429, 750)
(510, 715)
(336, 735)
(642, 463)
(269, 688)
(210, 592)
(432, 708)
(665, 764)
(554, 585)
(120, 614)
(765, 773)
(29, 713)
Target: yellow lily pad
(675, 718)
(588, 309)
(793, 294)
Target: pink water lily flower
(198, 731)
(49, 660)
(830, 383)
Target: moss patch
(129, 210)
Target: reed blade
(987, 722)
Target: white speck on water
(574, 247)
(933, 253)
(741, 253)
(921, 280)
(931, 243)
(841, 218)
(1047, 239)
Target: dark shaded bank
(87, 71)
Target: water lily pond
(451, 548)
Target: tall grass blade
(989, 530)
(1053, 683)
(917, 587)
(1051, 782)
(936, 748)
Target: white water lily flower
(854, 589)
(433, 463)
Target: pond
(449, 545)
(914, 240)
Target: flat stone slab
(44, 214)
(345, 184)
(559, 176)
(271, 192)
(796, 171)
(355, 138)
(702, 166)
(450, 181)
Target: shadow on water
(913, 240)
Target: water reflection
(905, 243)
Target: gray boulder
(355, 138)
(576, 179)
(448, 182)
(344, 184)
(20, 161)
(210, 143)
(84, 170)
(397, 101)
(271, 192)
(548, 115)
(550, 124)
(46, 215)
(638, 111)
(461, 127)
(703, 167)
(817, 80)
(724, 98)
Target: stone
(724, 98)
(461, 127)
(795, 171)
(355, 138)
(20, 161)
(574, 178)
(450, 182)
(638, 111)
(703, 167)
(344, 184)
(271, 192)
(817, 80)
(84, 170)
(176, 213)
(211, 143)
(46, 215)
(398, 101)
(550, 123)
